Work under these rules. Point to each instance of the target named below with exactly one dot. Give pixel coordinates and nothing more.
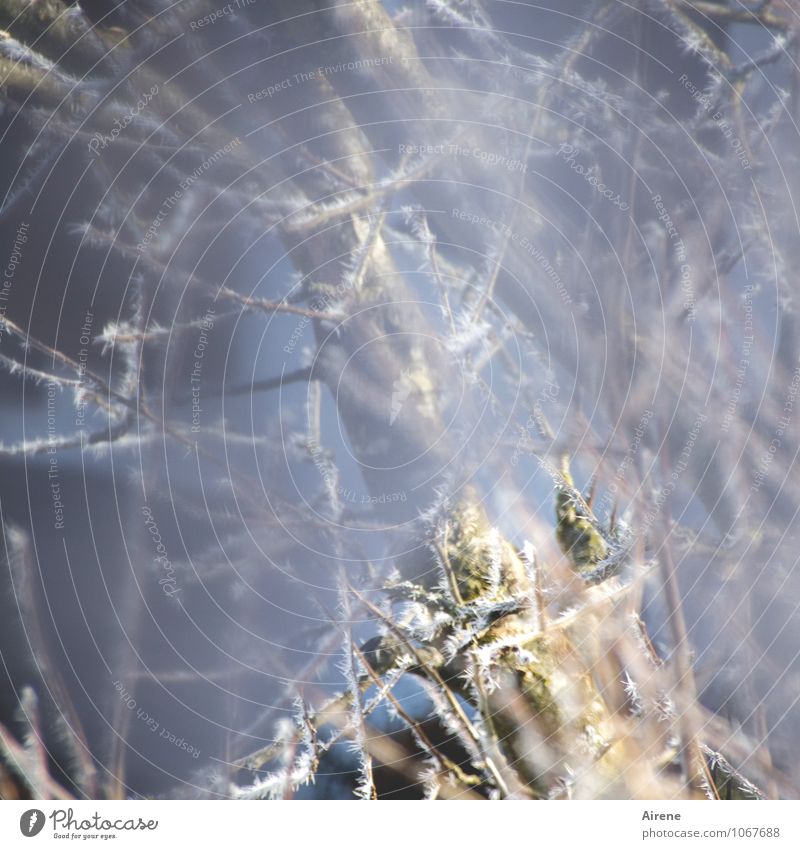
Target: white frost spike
(401, 389)
(495, 561)
(430, 780)
(529, 554)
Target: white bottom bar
(402, 825)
